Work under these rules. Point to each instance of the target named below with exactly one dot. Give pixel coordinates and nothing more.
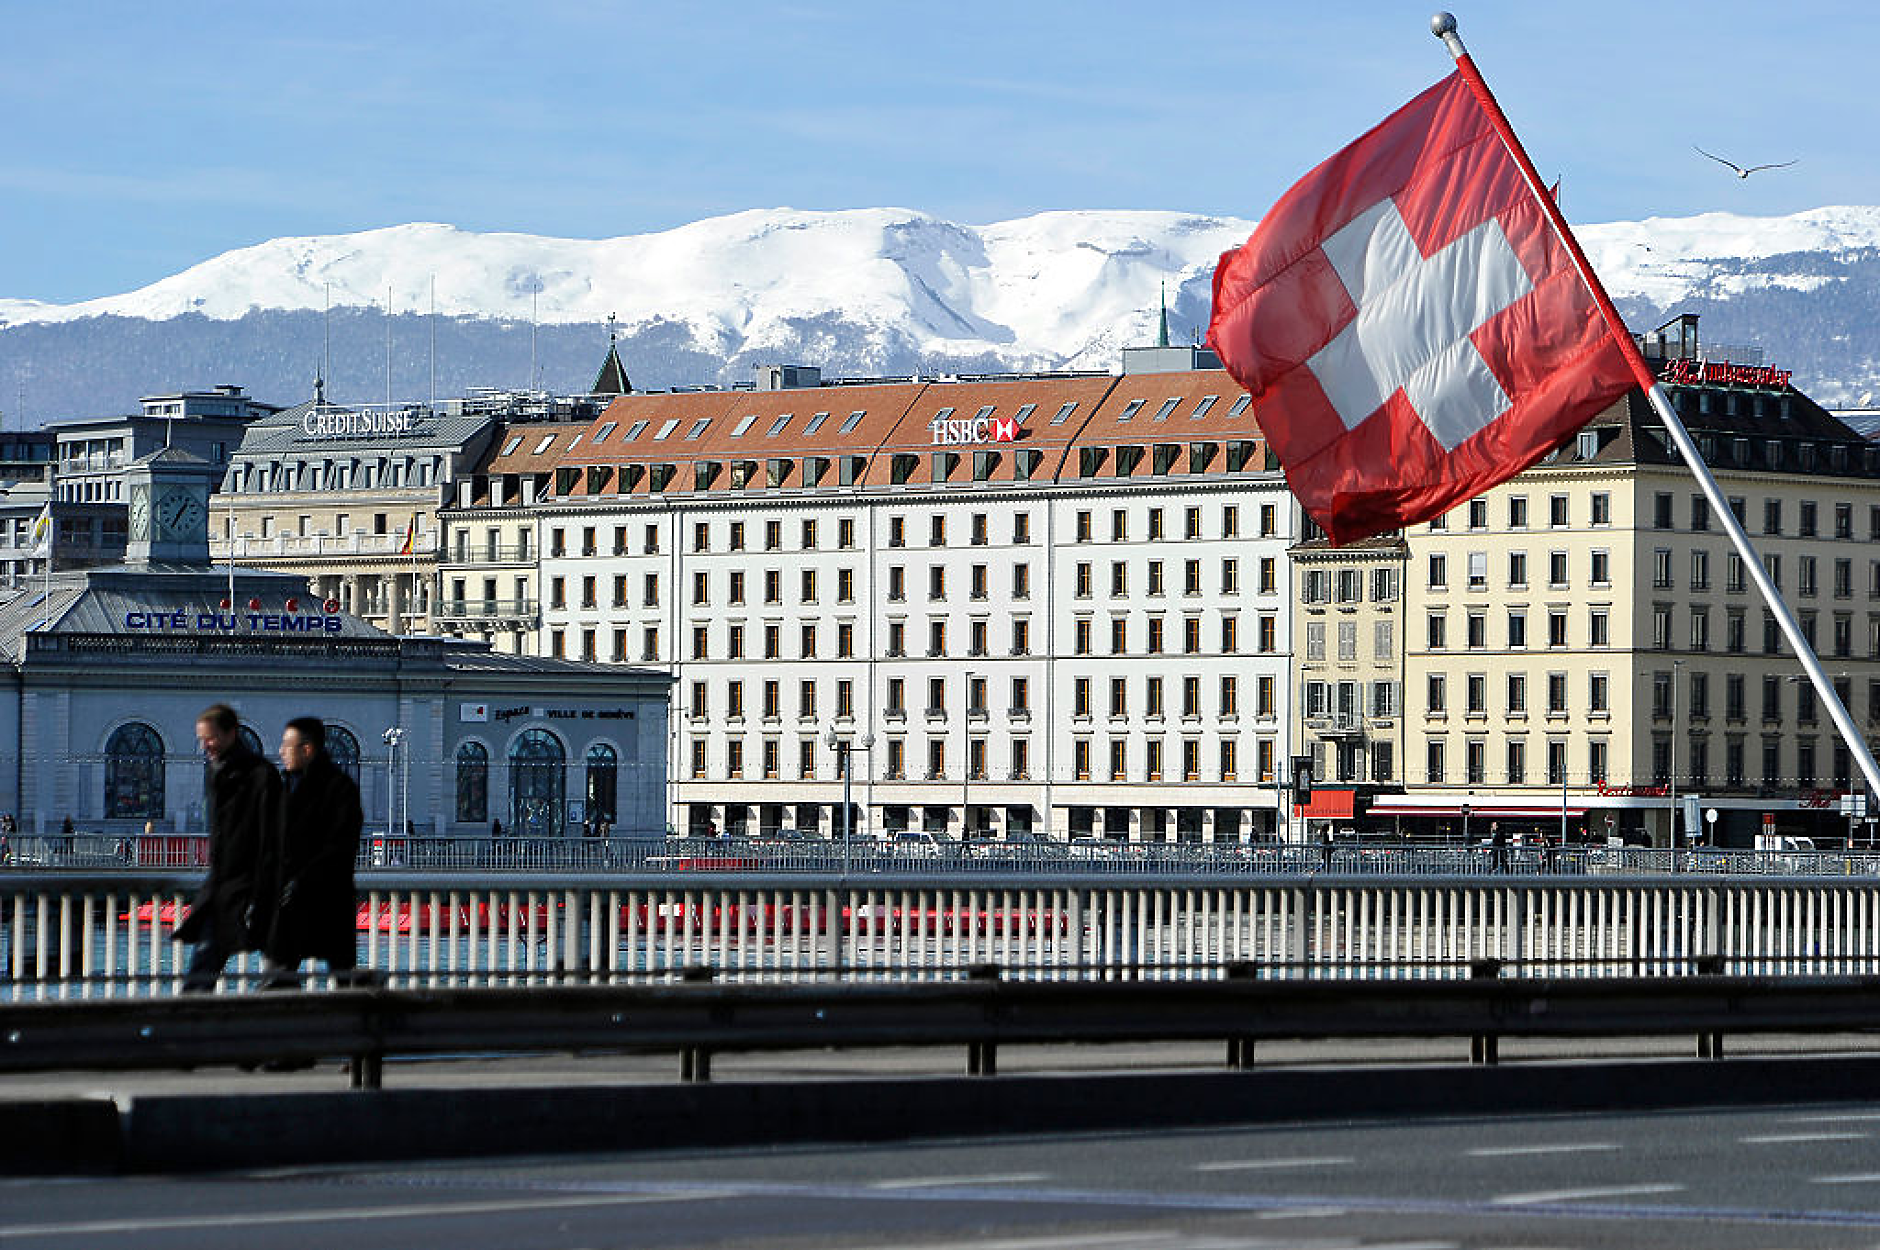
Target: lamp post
(1677, 667)
(393, 737)
(1465, 827)
(966, 763)
(845, 762)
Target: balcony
(491, 611)
(354, 544)
(1343, 725)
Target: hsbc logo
(966, 431)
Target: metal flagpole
(1443, 25)
(231, 553)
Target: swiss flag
(1410, 327)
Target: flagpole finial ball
(1443, 24)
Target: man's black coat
(244, 796)
(313, 911)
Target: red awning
(1327, 805)
(1528, 812)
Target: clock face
(140, 514)
(179, 513)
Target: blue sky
(142, 138)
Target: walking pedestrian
(1498, 841)
(242, 795)
(315, 912)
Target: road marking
(1305, 1213)
(1562, 1148)
(1251, 1165)
(1133, 1240)
(941, 1182)
(1836, 1118)
(322, 1215)
(1853, 1178)
(1784, 1139)
(1545, 1196)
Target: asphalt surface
(1800, 1176)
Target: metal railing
(481, 609)
(68, 935)
(803, 854)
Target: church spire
(1161, 336)
(612, 379)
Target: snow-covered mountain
(866, 291)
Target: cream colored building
(1348, 615)
(348, 496)
(1584, 637)
(489, 564)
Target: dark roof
(97, 602)
(612, 379)
(1766, 429)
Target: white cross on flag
(1410, 327)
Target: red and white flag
(1409, 325)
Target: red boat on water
(400, 918)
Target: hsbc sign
(966, 431)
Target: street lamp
(393, 737)
(1677, 667)
(1465, 826)
(966, 764)
(845, 749)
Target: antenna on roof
(433, 340)
(388, 345)
(535, 297)
(326, 340)
(1161, 337)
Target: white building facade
(1047, 606)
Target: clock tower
(168, 493)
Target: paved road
(1802, 1176)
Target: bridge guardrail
(980, 1010)
(381, 854)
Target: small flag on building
(411, 537)
(42, 532)
(1410, 325)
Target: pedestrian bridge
(75, 934)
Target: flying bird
(1740, 171)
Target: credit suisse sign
(343, 423)
(968, 431)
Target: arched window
(536, 764)
(602, 767)
(473, 782)
(133, 773)
(344, 748)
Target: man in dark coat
(243, 794)
(314, 913)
